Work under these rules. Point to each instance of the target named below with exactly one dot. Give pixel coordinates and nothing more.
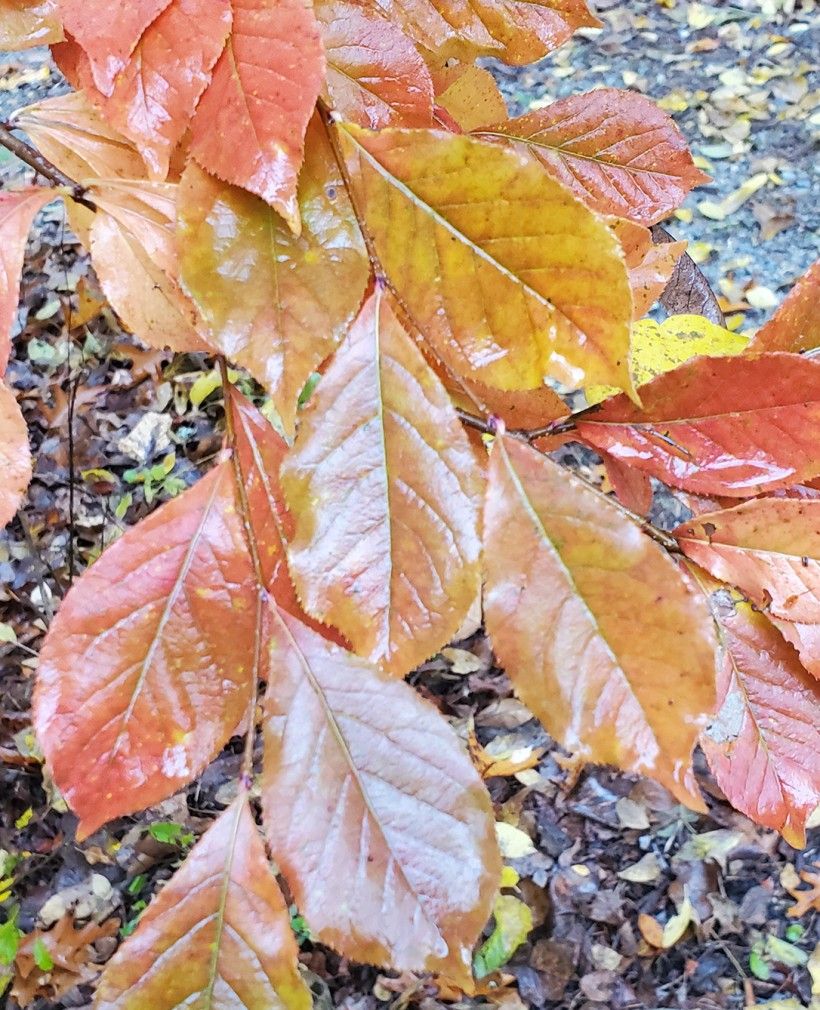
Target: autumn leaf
(604, 640)
(661, 347)
(763, 745)
(794, 326)
(388, 844)
(72, 134)
(479, 243)
(632, 487)
(517, 31)
(770, 548)
(17, 211)
(469, 95)
(250, 123)
(385, 496)
(518, 408)
(134, 251)
(649, 278)
(616, 150)
(298, 295)
(108, 32)
(375, 75)
(155, 94)
(217, 935)
(715, 426)
(164, 622)
(27, 23)
(15, 455)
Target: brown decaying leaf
(651, 277)
(616, 150)
(604, 639)
(276, 304)
(17, 211)
(795, 326)
(373, 811)
(166, 621)
(805, 900)
(250, 123)
(517, 31)
(108, 32)
(134, 251)
(15, 455)
(155, 94)
(688, 291)
(770, 548)
(375, 75)
(480, 243)
(217, 935)
(27, 23)
(763, 745)
(715, 426)
(385, 496)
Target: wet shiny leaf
(388, 843)
(217, 935)
(165, 621)
(298, 295)
(27, 23)
(250, 123)
(385, 495)
(795, 326)
(476, 240)
(715, 426)
(604, 640)
(616, 150)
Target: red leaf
(15, 455)
(616, 150)
(375, 75)
(17, 211)
(383, 487)
(632, 487)
(388, 843)
(108, 32)
(250, 125)
(764, 743)
(770, 548)
(27, 23)
(217, 935)
(146, 669)
(155, 94)
(796, 324)
(607, 643)
(715, 426)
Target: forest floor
(599, 854)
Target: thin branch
(488, 427)
(42, 166)
(262, 596)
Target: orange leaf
(795, 326)
(276, 304)
(146, 670)
(516, 31)
(616, 150)
(250, 124)
(155, 94)
(388, 844)
(770, 548)
(15, 455)
(518, 408)
(632, 487)
(480, 244)
(604, 639)
(134, 251)
(375, 75)
(470, 95)
(17, 211)
(649, 278)
(385, 494)
(217, 935)
(108, 32)
(714, 426)
(27, 23)
(764, 743)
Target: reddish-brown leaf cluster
(338, 190)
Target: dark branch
(42, 166)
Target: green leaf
(513, 922)
(170, 833)
(42, 957)
(9, 941)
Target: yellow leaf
(735, 200)
(662, 347)
(513, 842)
